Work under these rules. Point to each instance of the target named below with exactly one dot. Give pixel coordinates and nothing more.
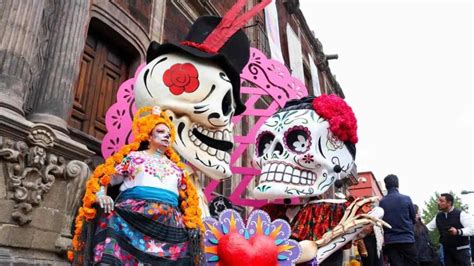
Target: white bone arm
(347, 230)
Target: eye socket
(227, 104)
(264, 140)
(298, 139)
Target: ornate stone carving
(75, 173)
(31, 170)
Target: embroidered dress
(146, 225)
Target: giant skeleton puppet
(301, 151)
(198, 82)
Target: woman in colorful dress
(155, 219)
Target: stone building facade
(61, 63)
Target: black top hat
(217, 39)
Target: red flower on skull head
(181, 78)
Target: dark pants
(453, 257)
(372, 258)
(334, 260)
(401, 254)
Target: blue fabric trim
(150, 193)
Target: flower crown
(144, 124)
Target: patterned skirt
(142, 232)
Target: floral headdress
(142, 127)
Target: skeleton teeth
(303, 181)
(295, 180)
(280, 168)
(211, 151)
(273, 167)
(192, 137)
(270, 176)
(197, 142)
(287, 178)
(288, 170)
(218, 135)
(278, 177)
(220, 155)
(312, 178)
(226, 135)
(297, 173)
(304, 175)
(204, 132)
(227, 157)
(263, 177)
(199, 129)
(210, 134)
(203, 147)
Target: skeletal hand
(352, 220)
(106, 203)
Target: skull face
(197, 95)
(299, 156)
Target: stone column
(19, 26)
(54, 96)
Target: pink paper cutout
(118, 119)
(266, 77)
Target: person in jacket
(455, 227)
(399, 212)
(427, 255)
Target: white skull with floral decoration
(198, 96)
(197, 81)
(302, 149)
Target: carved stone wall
(39, 193)
(42, 169)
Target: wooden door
(103, 69)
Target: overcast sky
(406, 69)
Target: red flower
(181, 78)
(339, 115)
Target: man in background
(398, 209)
(455, 227)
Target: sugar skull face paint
(160, 137)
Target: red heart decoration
(235, 250)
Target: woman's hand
(105, 202)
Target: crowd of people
(408, 243)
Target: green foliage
(431, 210)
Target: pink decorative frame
(118, 119)
(260, 77)
(267, 77)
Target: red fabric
(235, 250)
(181, 78)
(339, 115)
(314, 220)
(231, 23)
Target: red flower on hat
(181, 78)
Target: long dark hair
(419, 227)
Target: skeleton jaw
(282, 180)
(285, 173)
(204, 147)
(216, 143)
